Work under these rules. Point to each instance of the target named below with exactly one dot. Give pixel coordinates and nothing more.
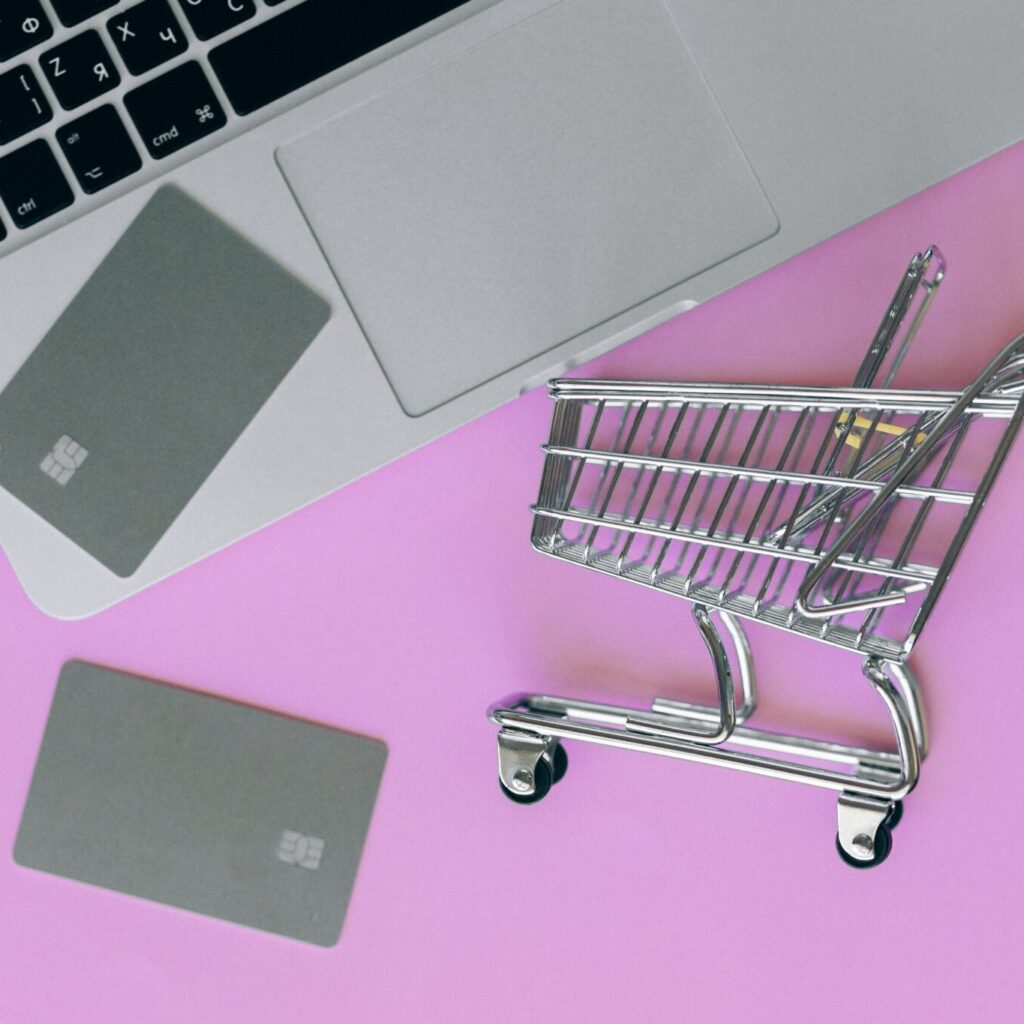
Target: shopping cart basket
(834, 514)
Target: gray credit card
(148, 377)
(200, 803)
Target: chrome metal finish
(910, 691)
(832, 513)
(518, 754)
(882, 774)
(725, 723)
(859, 818)
(745, 669)
(925, 443)
(917, 275)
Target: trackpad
(525, 191)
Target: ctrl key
(32, 185)
(175, 110)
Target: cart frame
(873, 463)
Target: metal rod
(862, 520)
(768, 476)
(918, 574)
(755, 396)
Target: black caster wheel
(559, 763)
(883, 847)
(542, 782)
(895, 815)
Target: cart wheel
(895, 815)
(560, 763)
(883, 847)
(542, 780)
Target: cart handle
(1003, 376)
(915, 275)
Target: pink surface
(642, 889)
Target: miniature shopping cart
(834, 514)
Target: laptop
(464, 198)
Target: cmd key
(175, 110)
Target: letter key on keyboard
(146, 35)
(71, 12)
(22, 104)
(23, 24)
(211, 17)
(80, 69)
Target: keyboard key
(32, 186)
(174, 110)
(209, 18)
(22, 104)
(99, 149)
(146, 35)
(80, 69)
(23, 24)
(71, 12)
(310, 40)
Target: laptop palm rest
(527, 190)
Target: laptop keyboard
(116, 85)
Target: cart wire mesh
(833, 513)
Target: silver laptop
(462, 199)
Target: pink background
(642, 889)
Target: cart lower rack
(834, 514)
